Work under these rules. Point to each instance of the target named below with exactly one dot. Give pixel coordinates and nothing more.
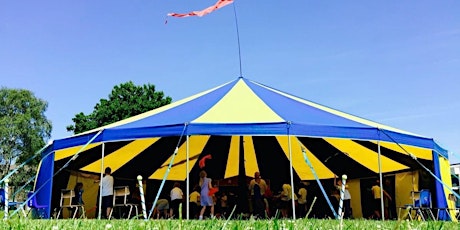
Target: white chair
(67, 196)
(120, 199)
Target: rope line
(167, 171)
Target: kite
(219, 4)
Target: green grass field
(221, 224)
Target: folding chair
(122, 193)
(34, 206)
(423, 206)
(67, 195)
(12, 204)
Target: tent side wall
(44, 182)
(442, 171)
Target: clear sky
(394, 62)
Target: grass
(275, 224)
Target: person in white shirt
(107, 192)
(176, 199)
(346, 197)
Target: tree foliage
(24, 129)
(125, 100)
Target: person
(377, 199)
(257, 186)
(346, 197)
(107, 192)
(78, 198)
(205, 198)
(302, 201)
(177, 197)
(162, 206)
(223, 204)
(286, 200)
(194, 202)
(390, 206)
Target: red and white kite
(219, 4)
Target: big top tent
(246, 127)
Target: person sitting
(194, 202)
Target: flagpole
(238, 38)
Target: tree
(125, 100)
(24, 129)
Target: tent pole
(292, 176)
(381, 183)
(100, 182)
(187, 199)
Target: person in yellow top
(257, 186)
(376, 192)
(194, 202)
(286, 200)
(302, 201)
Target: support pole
(100, 181)
(5, 216)
(342, 194)
(141, 192)
(292, 176)
(380, 178)
(187, 187)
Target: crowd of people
(206, 201)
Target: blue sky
(394, 62)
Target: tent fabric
(248, 124)
(245, 107)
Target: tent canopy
(246, 120)
(245, 107)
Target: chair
(122, 193)
(34, 206)
(12, 204)
(423, 206)
(67, 196)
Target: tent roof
(245, 107)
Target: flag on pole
(219, 4)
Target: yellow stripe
(298, 161)
(446, 178)
(418, 152)
(178, 169)
(365, 156)
(239, 105)
(233, 161)
(250, 160)
(155, 111)
(64, 153)
(339, 113)
(121, 156)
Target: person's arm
(210, 184)
(335, 180)
(387, 195)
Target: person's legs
(203, 209)
(212, 211)
(347, 208)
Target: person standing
(302, 200)
(107, 191)
(176, 199)
(257, 186)
(377, 199)
(205, 198)
(346, 197)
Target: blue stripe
(292, 110)
(186, 112)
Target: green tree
(125, 100)
(24, 129)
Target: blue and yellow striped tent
(243, 122)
